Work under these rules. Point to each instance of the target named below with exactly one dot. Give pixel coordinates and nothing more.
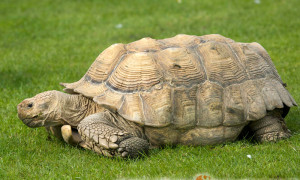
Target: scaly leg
(109, 134)
(270, 128)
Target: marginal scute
(184, 102)
(271, 97)
(209, 104)
(157, 107)
(132, 108)
(283, 93)
(137, 72)
(109, 99)
(234, 106)
(90, 89)
(69, 87)
(292, 99)
(254, 103)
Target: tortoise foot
(271, 128)
(133, 147)
(273, 136)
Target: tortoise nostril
(30, 105)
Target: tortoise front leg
(102, 134)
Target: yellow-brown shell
(186, 81)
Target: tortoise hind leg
(270, 128)
(110, 136)
(67, 134)
(71, 136)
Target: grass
(49, 41)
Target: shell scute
(105, 63)
(209, 104)
(180, 67)
(109, 99)
(157, 107)
(136, 72)
(132, 108)
(271, 97)
(234, 106)
(257, 48)
(184, 103)
(221, 64)
(254, 103)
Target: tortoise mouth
(33, 122)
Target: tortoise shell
(185, 81)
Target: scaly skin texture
(111, 135)
(58, 112)
(54, 108)
(62, 114)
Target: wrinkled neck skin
(71, 109)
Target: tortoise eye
(30, 105)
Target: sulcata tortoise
(190, 90)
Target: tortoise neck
(72, 108)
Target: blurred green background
(47, 42)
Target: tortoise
(189, 90)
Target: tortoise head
(34, 112)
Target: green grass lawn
(43, 43)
